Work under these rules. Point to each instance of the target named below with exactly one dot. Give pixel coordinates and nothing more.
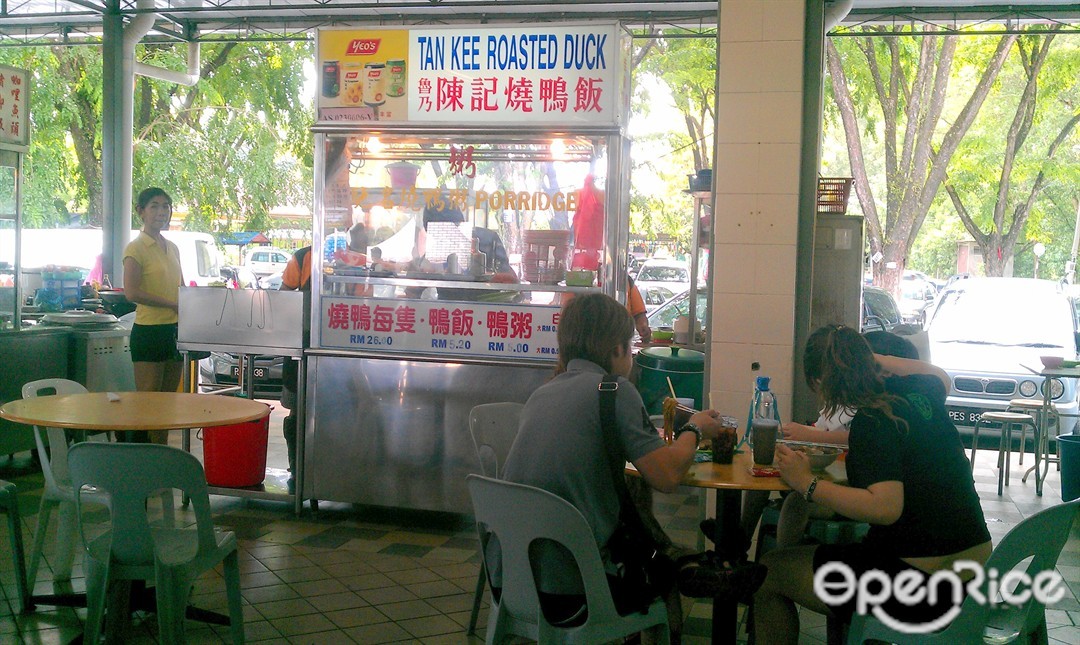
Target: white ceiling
(50, 20)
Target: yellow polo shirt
(160, 276)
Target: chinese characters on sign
(555, 74)
(475, 75)
(441, 327)
(14, 106)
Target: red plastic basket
(832, 194)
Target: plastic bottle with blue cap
(763, 406)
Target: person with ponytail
(908, 477)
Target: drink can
(331, 79)
(352, 83)
(374, 84)
(396, 78)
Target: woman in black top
(908, 478)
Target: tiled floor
(374, 575)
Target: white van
(199, 257)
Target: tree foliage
(899, 87)
(684, 68)
(1014, 159)
(230, 148)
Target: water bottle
(762, 406)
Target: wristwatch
(689, 427)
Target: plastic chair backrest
(1040, 537)
(498, 506)
(55, 468)
(494, 427)
(130, 474)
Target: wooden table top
(134, 411)
(736, 475)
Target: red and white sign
(441, 327)
(546, 73)
(14, 106)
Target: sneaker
(707, 576)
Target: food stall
(468, 180)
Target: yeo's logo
(363, 47)
(835, 583)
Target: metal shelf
(458, 284)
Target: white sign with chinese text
(14, 106)
(553, 73)
(441, 327)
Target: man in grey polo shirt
(560, 443)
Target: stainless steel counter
(391, 432)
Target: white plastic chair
(134, 549)
(58, 493)
(493, 427)
(498, 508)
(1040, 538)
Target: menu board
(441, 327)
(14, 106)
(545, 74)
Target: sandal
(706, 575)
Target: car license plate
(964, 416)
(260, 372)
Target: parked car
(879, 310)
(223, 369)
(264, 260)
(665, 314)
(670, 274)
(988, 334)
(916, 296)
(655, 296)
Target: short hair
(887, 343)
(442, 212)
(592, 327)
(149, 193)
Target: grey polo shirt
(560, 447)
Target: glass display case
(461, 244)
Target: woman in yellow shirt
(152, 279)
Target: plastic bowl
(820, 457)
(663, 333)
(580, 278)
(1052, 362)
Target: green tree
(682, 63)
(891, 92)
(1002, 176)
(230, 148)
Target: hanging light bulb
(558, 149)
(375, 146)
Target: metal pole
(1070, 268)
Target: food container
(402, 174)
(544, 259)
(663, 334)
(580, 278)
(685, 368)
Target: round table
(133, 411)
(729, 481)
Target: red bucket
(235, 455)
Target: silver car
(988, 334)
